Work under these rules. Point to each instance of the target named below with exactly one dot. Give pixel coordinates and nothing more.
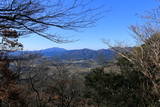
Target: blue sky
(113, 27)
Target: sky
(113, 27)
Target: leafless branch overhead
(35, 16)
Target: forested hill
(79, 54)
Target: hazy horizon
(63, 48)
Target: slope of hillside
(81, 54)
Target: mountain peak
(75, 54)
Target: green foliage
(104, 89)
(140, 87)
(128, 89)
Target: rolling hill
(79, 54)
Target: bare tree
(145, 56)
(66, 88)
(21, 17)
(36, 16)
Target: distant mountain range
(79, 54)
